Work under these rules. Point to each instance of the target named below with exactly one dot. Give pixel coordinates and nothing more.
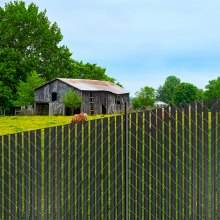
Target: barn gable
(99, 97)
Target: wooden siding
(102, 100)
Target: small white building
(160, 104)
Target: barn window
(92, 110)
(117, 100)
(54, 96)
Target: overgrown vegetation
(14, 124)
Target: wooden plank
(13, 178)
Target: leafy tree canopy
(26, 89)
(212, 89)
(90, 71)
(185, 93)
(144, 98)
(30, 42)
(72, 100)
(166, 91)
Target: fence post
(126, 161)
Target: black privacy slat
(133, 166)
(213, 157)
(166, 164)
(27, 173)
(186, 162)
(6, 177)
(206, 160)
(52, 148)
(13, 177)
(19, 176)
(72, 171)
(172, 112)
(65, 174)
(86, 170)
(139, 164)
(92, 168)
(105, 166)
(180, 162)
(119, 166)
(59, 168)
(112, 168)
(46, 173)
(194, 162)
(200, 145)
(153, 162)
(160, 162)
(147, 165)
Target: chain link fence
(158, 164)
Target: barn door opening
(68, 111)
(104, 109)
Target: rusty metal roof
(94, 85)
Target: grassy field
(14, 124)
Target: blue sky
(142, 42)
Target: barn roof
(93, 85)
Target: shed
(99, 97)
(160, 104)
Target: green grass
(14, 124)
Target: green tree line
(174, 92)
(31, 50)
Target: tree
(28, 41)
(90, 71)
(212, 89)
(5, 96)
(26, 89)
(72, 100)
(144, 98)
(185, 93)
(165, 92)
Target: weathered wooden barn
(99, 97)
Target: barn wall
(107, 99)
